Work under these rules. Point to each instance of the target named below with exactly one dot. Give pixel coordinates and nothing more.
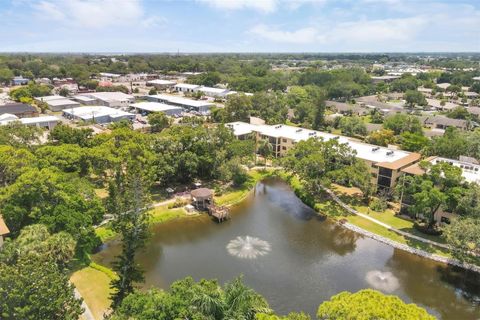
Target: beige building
(385, 164)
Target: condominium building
(385, 163)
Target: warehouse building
(97, 114)
(47, 122)
(187, 104)
(161, 84)
(149, 107)
(111, 99)
(60, 104)
(186, 87)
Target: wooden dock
(220, 213)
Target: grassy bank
(234, 195)
(326, 206)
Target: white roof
(33, 120)
(364, 151)
(61, 102)
(154, 106)
(470, 171)
(50, 98)
(443, 85)
(213, 90)
(8, 116)
(108, 74)
(181, 101)
(83, 98)
(162, 82)
(110, 96)
(90, 112)
(39, 119)
(187, 85)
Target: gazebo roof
(201, 193)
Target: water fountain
(383, 281)
(248, 247)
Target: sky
(240, 26)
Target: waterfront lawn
(105, 233)
(384, 232)
(352, 196)
(94, 286)
(162, 214)
(233, 195)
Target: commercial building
(148, 107)
(187, 104)
(47, 122)
(60, 104)
(385, 163)
(19, 109)
(97, 114)
(213, 92)
(111, 99)
(84, 100)
(186, 87)
(161, 84)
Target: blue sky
(239, 25)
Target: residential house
(3, 231)
(20, 110)
(442, 122)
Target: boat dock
(220, 213)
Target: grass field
(94, 286)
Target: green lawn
(163, 214)
(105, 233)
(234, 195)
(379, 230)
(94, 286)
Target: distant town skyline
(240, 26)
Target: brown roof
(201, 193)
(415, 168)
(400, 163)
(3, 227)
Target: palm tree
(265, 149)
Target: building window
(284, 140)
(284, 148)
(385, 172)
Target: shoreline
(407, 248)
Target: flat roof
(83, 98)
(187, 85)
(470, 171)
(161, 81)
(386, 157)
(212, 90)
(90, 112)
(39, 119)
(181, 101)
(61, 102)
(109, 96)
(50, 98)
(154, 106)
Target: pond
(297, 259)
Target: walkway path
(87, 313)
(389, 227)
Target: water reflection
(309, 260)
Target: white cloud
(96, 13)
(304, 35)
(259, 5)
(386, 30)
(265, 6)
